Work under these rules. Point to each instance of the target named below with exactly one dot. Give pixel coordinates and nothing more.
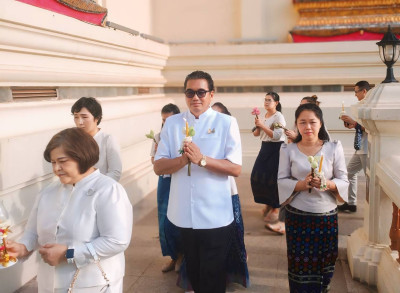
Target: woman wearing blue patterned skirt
(237, 271)
(311, 201)
(170, 239)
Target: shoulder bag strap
(97, 262)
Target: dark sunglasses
(200, 93)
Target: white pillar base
(363, 257)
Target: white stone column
(370, 258)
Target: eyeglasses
(356, 92)
(268, 100)
(200, 93)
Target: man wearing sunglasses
(200, 204)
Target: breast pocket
(212, 145)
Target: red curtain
(356, 36)
(53, 5)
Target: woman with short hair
(87, 114)
(77, 219)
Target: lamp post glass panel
(389, 48)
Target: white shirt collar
(202, 116)
(87, 178)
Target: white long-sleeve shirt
(109, 163)
(96, 210)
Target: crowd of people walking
(299, 177)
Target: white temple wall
(330, 63)
(134, 14)
(42, 48)
(267, 21)
(220, 21)
(196, 21)
(223, 21)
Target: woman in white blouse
(265, 170)
(311, 201)
(81, 217)
(87, 114)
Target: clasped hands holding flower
(192, 153)
(310, 182)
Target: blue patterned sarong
(237, 271)
(169, 233)
(312, 249)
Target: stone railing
(373, 249)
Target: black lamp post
(389, 48)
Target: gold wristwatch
(203, 161)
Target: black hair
(275, 96)
(363, 85)
(222, 107)
(322, 134)
(91, 104)
(170, 108)
(313, 100)
(200, 75)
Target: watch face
(70, 253)
(203, 162)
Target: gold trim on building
(345, 4)
(335, 17)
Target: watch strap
(69, 255)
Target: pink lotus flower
(255, 112)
